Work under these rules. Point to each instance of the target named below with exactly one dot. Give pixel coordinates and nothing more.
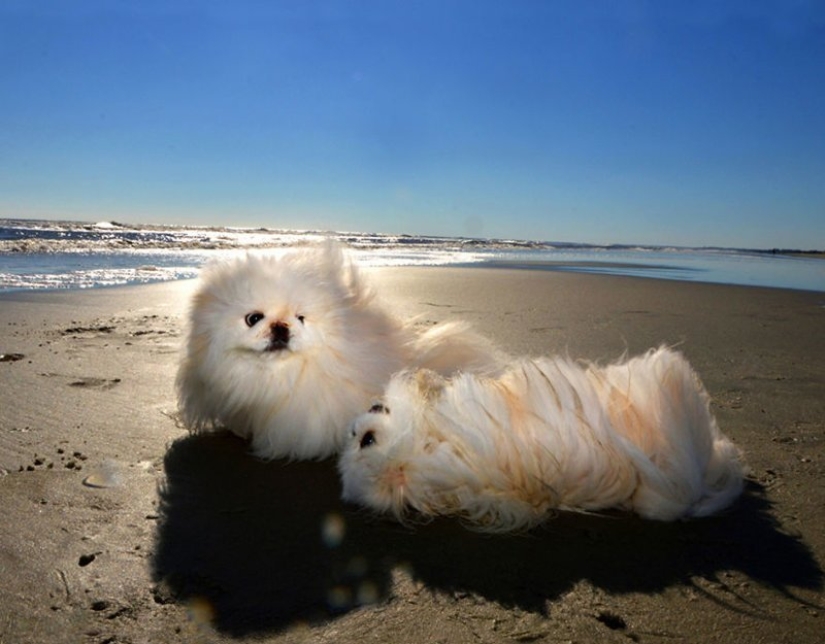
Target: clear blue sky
(689, 123)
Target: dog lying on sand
(504, 453)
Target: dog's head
(256, 323)
(375, 463)
(266, 307)
(392, 445)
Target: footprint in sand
(85, 382)
(100, 329)
(95, 383)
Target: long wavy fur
(504, 453)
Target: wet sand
(119, 527)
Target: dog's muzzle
(278, 337)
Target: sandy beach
(117, 526)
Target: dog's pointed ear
(342, 270)
(430, 384)
(352, 279)
(333, 254)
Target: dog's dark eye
(301, 318)
(252, 319)
(378, 408)
(367, 439)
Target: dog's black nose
(367, 439)
(279, 333)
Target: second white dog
(503, 453)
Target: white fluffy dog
(503, 453)
(287, 351)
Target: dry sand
(119, 527)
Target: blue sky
(654, 122)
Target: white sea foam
(52, 255)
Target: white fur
(549, 433)
(297, 401)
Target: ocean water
(38, 255)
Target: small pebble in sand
(105, 476)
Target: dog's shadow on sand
(260, 546)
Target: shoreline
(797, 271)
(121, 527)
(592, 268)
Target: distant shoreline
(44, 255)
(113, 227)
(813, 254)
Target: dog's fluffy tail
(688, 467)
(454, 347)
